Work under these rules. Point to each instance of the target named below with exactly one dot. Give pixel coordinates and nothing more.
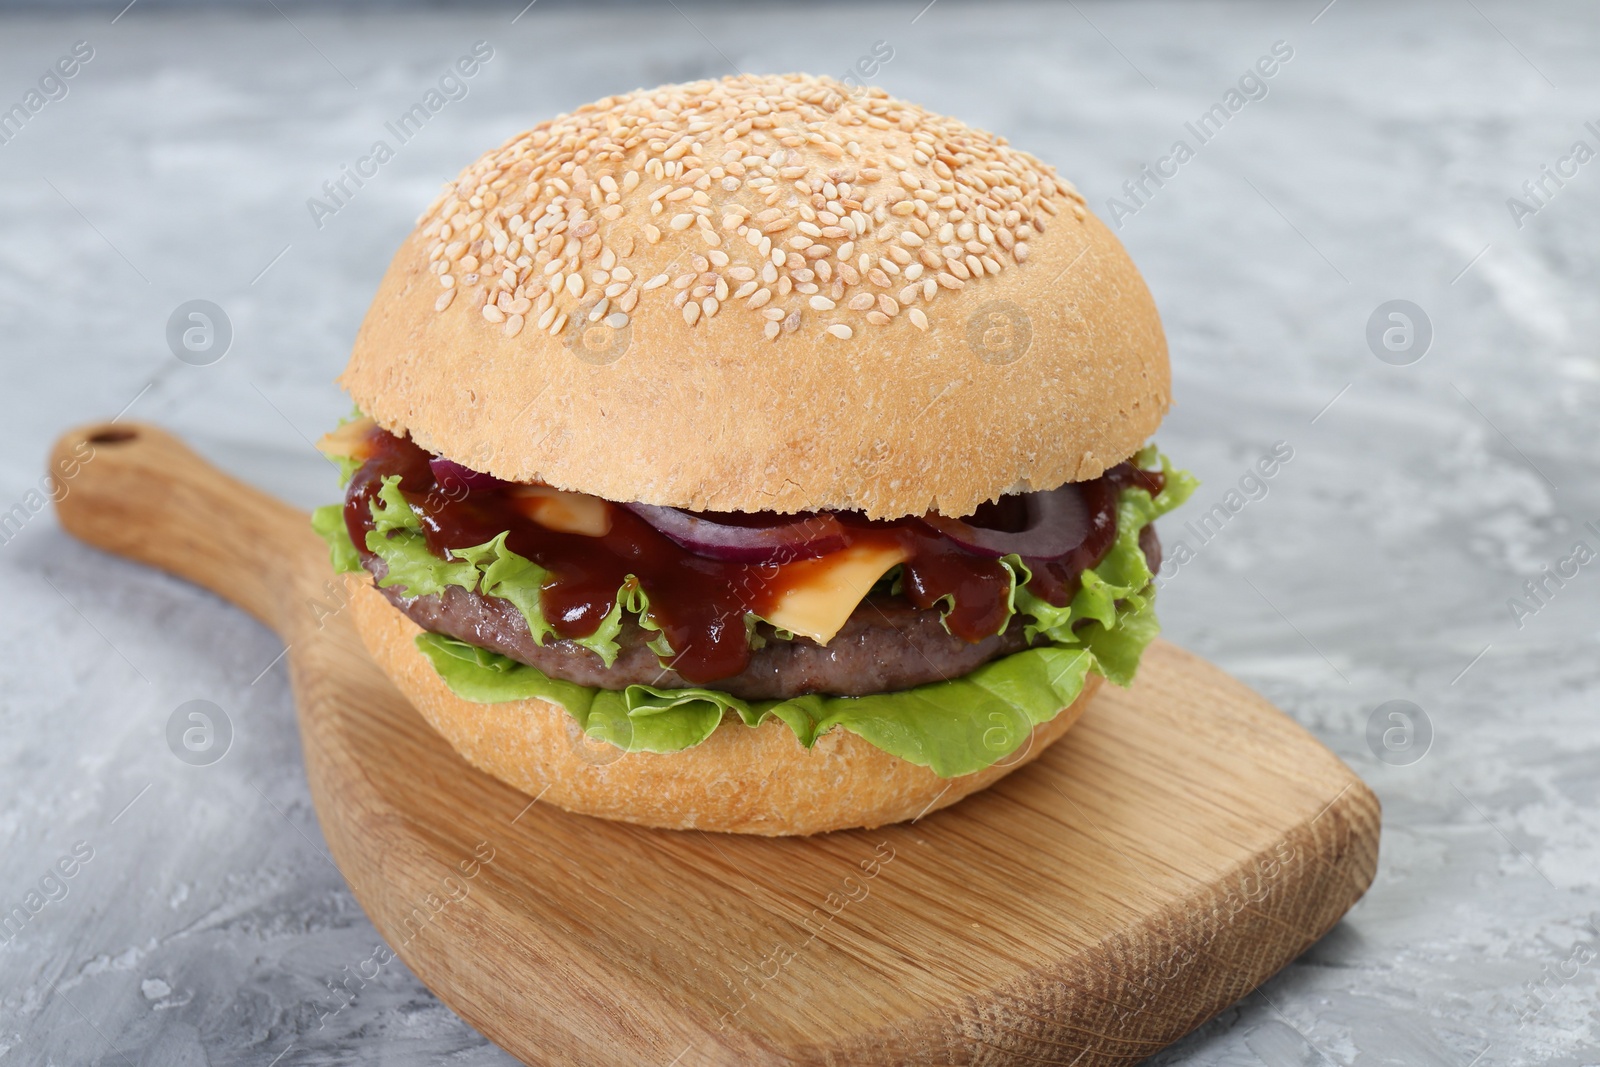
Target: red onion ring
(455, 479)
(788, 539)
(1057, 522)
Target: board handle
(137, 491)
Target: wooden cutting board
(1181, 844)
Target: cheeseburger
(758, 455)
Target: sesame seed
(832, 167)
(513, 326)
(691, 313)
(616, 320)
(841, 331)
(918, 318)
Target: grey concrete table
(1383, 562)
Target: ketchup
(700, 603)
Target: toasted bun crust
(740, 780)
(815, 298)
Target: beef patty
(885, 645)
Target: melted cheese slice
(564, 512)
(349, 441)
(819, 594)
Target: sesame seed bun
(754, 780)
(815, 297)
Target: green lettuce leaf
(411, 564)
(953, 727)
(348, 465)
(505, 574)
(490, 568)
(328, 522)
(391, 510)
(1116, 593)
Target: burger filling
(941, 640)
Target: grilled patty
(885, 645)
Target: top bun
(770, 293)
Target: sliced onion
(784, 540)
(1057, 522)
(454, 478)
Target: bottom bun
(742, 779)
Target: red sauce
(699, 603)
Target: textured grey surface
(207, 924)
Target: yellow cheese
(819, 594)
(555, 509)
(349, 441)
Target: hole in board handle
(113, 435)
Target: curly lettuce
(953, 727)
(491, 568)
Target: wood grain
(1180, 845)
